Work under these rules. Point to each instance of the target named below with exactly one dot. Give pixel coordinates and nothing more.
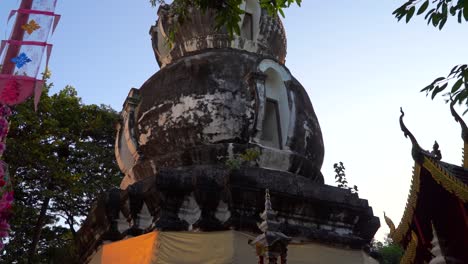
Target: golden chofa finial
(416, 151)
(464, 133)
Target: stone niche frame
(252, 7)
(285, 98)
(126, 142)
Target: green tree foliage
(437, 12)
(228, 11)
(60, 159)
(387, 252)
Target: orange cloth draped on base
(135, 250)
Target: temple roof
(455, 171)
(451, 178)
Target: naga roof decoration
(416, 151)
(390, 223)
(459, 120)
(464, 133)
(452, 178)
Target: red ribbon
(36, 12)
(32, 43)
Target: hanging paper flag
(18, 78)
(21, 55)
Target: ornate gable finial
(416, 151)
(390, 224)
(406, 131)
(459, 120)
(464, 133)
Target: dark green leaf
(457, 85)
(428, 88)
(453, 10)
(423, 7)
(453, 69)
(438, 80)
(429, 13)
(281, 12)
(438, 90)
(465, 11)
(444, 10)
(442, 23)
(435, 19)
(410, 14)
(429, 20)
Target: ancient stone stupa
(202, 141)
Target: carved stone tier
(208, 198)
(261, 33)
(211, 106)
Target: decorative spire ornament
(271, 244)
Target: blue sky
(357, 63)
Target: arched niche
(250, 21)
(276, 111)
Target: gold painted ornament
(31, 26)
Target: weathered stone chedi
(213, 99)
(210, 99)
